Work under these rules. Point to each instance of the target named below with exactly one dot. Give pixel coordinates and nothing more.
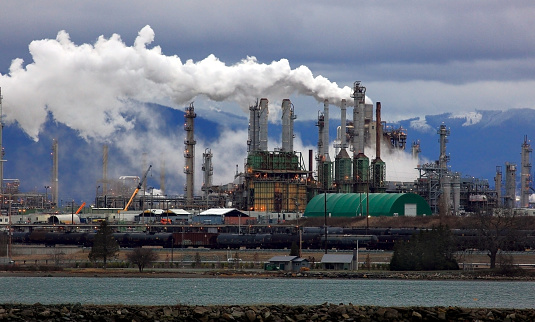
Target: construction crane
(80, 209)
(140, 184)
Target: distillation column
(327, 163)
(445, 179)
(208, 170)
(361, 163)
(525, 173)
(320, 158)
(253, 141)
(189, 153)
(456, 185)
(324, 163)
(443, 159)
(288, 118)
(510, 183)
(498, 185)
(263, 124)
(342, 161)
(378, 167)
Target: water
(240, 291)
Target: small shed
(338, 262)
(287, 263)
(218, 216)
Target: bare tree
(498, 229)
(142, 257)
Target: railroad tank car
(195, 239)
(227, 240)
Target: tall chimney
(378, 132)
(310, 156)
(189, 153)
(326, 131)
(263, 135)
(343, 117)
(287, 126)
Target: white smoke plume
(92, 88)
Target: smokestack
(359, 95)
(287, 126)
(525, 173)
(321, 126)
(510, 185)
(378, 131)
(343, 137)
(443, 159)
(498, 185)
(189, 153)
(263, 124)
(310, 156)
(208, 171)
(326, 131)
(254, 128)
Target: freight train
(310, 238)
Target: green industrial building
(371, 204)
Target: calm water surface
(233, 291)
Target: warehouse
(371, 204)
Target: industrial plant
(278, 185)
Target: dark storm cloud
(450, 42)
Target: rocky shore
(324, 312)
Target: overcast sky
(415, 57)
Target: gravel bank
(324, 312)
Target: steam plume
(94, 89)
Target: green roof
(355, 204)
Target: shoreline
(251, 313)
(227, 273)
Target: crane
(140, 184)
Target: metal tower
(443, 158)
(263, 132)
(342, 161)
(324, 162)
(258, 126)
(208, 170)
(525, 173)
(378, 167)
(498, 185)
(510, 183)
(361, 163)
(189, 153)
(288, 118)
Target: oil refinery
(280, 185)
